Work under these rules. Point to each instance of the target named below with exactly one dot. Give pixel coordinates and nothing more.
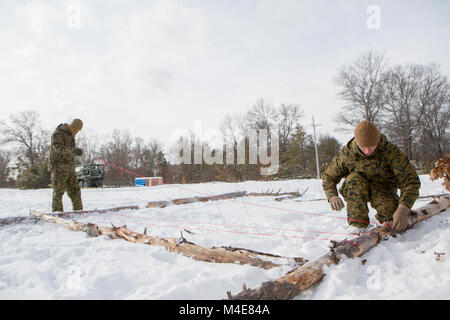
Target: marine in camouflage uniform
(62, 165)
(372, 178)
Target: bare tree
(410, 103)
(234, 127)
(361, 83)
(434, 101)
(117, 151)
(235, 130)
(144, 156)
(288, 119)
(140, 158)
(25, 132)
(403, 106)
(89, 141)
(262, 116)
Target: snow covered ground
(47, 261)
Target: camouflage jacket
(62, 149)
(386, 168)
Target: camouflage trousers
(62, 181)
(357, 192)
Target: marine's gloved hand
(336, 203)
(78, 152)
(400, 218)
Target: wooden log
(114, 209)
(433, 196)
(16, 220)
(310, 273)
(179, 245)
(421, 197)
(289, 196)
(280, 197)
(286, 197)
(158, 204)
(165, 203)
(274, 194)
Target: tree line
(24, 163)
(408, 102)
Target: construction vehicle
(90, 175)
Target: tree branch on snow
(165, 203)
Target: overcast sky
(153, 67)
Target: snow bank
(46, 261)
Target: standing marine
(62, 165)
(373, 169)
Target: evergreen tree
(34, 177)
(298, 160)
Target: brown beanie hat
(77, 124)
(366, 134)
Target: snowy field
(47, 261)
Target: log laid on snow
(179, 245)
(165, 203)
(16, 220)
(290, 195)
(303, 277)
(421, 197)
(115, 209)
(286, 197)
(276, 194)
(280, 196)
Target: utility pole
(314, 125)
